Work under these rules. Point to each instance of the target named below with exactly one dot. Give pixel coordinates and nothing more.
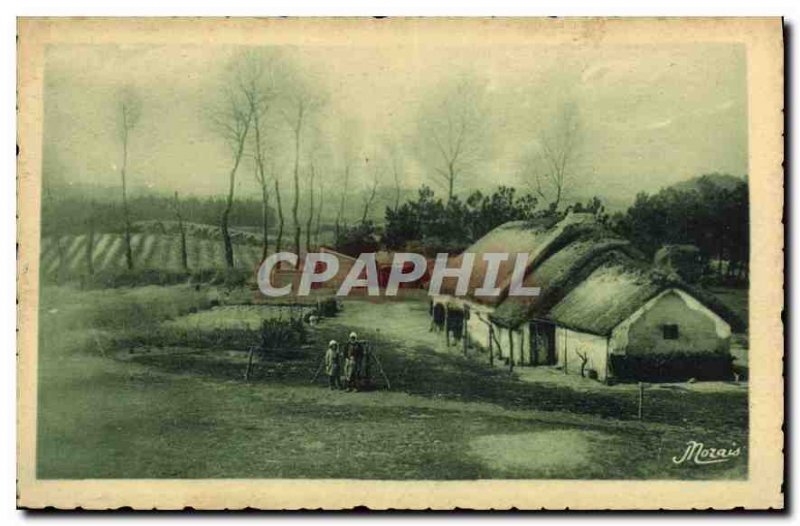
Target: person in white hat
(333, 361)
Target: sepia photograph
(437, 253)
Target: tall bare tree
(232, 120)
(176, 208)
(339, 223)
(300, 105)
(90, 227)
(258, 85)
(129, 113)
(350, 138)
(310, 219)
(550, 165)
(452, 132)
(396, 175)
(279, 206)
(371, 189)
(320, 201)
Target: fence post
(249, 365)
(464, 332)
(447, 325)
(491, 345)
(510, 350)
(641, 399)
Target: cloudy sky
(647, 116)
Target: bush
(327, 307)
(107, 279)
(218, 338)
(279, 334)
(682, 366)
(231, 277)
(118, 278)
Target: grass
(186, 413)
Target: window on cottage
(670, 332)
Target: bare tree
(258, 86)
(176, 207)
(350, 137)
(319, 213)
(396, 175)
(371, 190)
(129, 114)
(550, 166)
(300, 104)
(339, 223)
(90, 227)
(452, 130)
(279, 205)
(232, 120)
(310, 219)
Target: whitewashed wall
(570, 345)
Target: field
(156, 251)
(115, 404)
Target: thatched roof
(600, 290)
(539, 239)
(590, 279)
(610, 294)
(558, 275)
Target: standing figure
(333, 365)
(354, 353)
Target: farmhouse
(603, 311)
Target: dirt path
(406, 321)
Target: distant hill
(152, 251)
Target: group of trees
(711, 213)
(261, 100)
(265, 97)
(454, 223)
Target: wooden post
(249, 365)
(641, 399)
(464, 332)
(447, 324)
(510, 350)
(491, 351)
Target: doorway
(543, 343)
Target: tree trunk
(450, 181)
(281, 222)
(182, 232)
(126, 215)
(296, 202)
(319, 217)
(90, 245)
(226, 236)
(310, 210)
(264, 219)
(261, 178)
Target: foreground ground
(109, 410)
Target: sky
(647, 116)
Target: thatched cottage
(603, 311)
